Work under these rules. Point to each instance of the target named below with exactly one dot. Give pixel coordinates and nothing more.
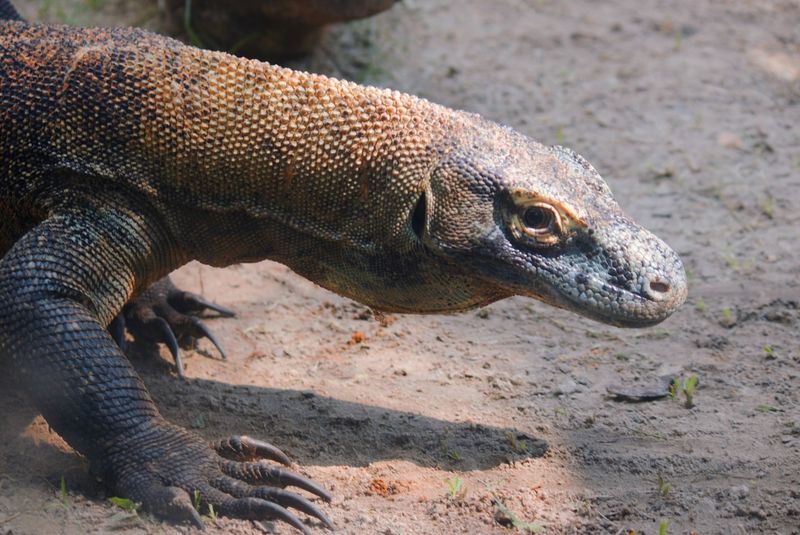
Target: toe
(247, 508)
(256, 509)
(242, 448)
(264, 474)
(295, 501)
(173, 504)
(285, 499)
(185, 328)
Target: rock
(729, 140)
(740, 491)
(566, 387)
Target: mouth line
(558, 289)
(599, 285)
(625, 315)
(617, 290)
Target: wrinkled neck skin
(383, 197)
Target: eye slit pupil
(537, 218)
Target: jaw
(625, 309)
(630, 311)
(644, 297)
(601, 300)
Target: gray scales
(124, 155)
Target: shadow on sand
(312, 429)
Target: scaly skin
(124, 154)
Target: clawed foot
(169, 471)
(164, 314)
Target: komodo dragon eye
(538, 219)
(541, 222)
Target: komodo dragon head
(497, 214)
(525, 219)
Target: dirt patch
(423, 425)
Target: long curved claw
(289, 499)
(189, 303)
(219, 309)
(243, 448)
(177, 507)
(257, 509)
(210, 335)
(264, 474)
(168, 338)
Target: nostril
(659, 287)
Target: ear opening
(420, 215)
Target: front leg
(60, 285)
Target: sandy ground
(691, 111)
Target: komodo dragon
(124, 154)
